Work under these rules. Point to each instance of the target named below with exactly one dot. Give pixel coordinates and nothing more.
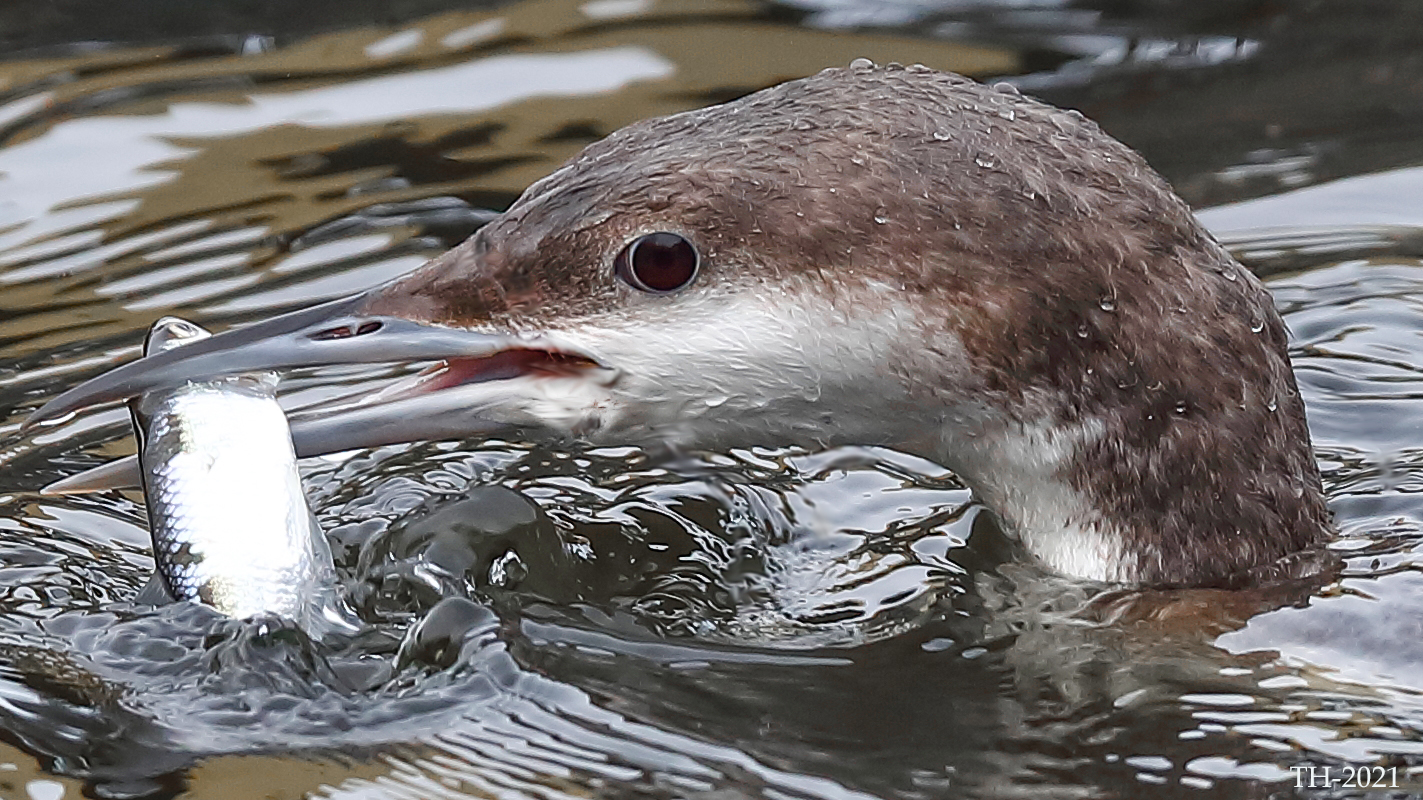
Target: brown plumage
(907, 257)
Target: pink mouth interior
(500, 366)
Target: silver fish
(229, 520)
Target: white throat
(801, 368)
(1019, 472)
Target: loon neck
(1022, 471)
(1090, 502)
(1169, 450)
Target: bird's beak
(340, 332)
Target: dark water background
(767, 624)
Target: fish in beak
(423, 407)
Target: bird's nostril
(347, 331)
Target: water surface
(598, 622)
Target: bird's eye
(658, 262)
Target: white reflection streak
(158, 278)
(118, 155)
(331, 252)
(473, 34)
(347, 281)
(395, 43)
(526, 747)
(94, 256)
(1393, 198)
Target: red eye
(658, 262)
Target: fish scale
(227, 513)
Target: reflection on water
(551, 623)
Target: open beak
(430, 406)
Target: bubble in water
(1229, 275)
(1082, 331)
(1181, 407)
(507, 570)
(881, 216)
(438, 638)
(942, 135)
(1272, 405)
(862, 65)
(984, 161)
(1006, 88)
(1257, 326)
(1108, 303)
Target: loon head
(889, 256)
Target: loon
(871, 255)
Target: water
(573, 623)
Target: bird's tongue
(454, 372)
